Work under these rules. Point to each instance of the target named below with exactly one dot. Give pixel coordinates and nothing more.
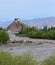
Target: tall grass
(8, 59)
(49, 61)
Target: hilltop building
(16, 26)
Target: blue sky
(26, 9)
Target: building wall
(14, 28)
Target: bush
(52, 34)
(35, 34)
(4, 37)
(8, 59)
(45, 33)
(49, 61)
(49, 35)
(26, 32)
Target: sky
(26, 9)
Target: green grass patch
(49, 61)
(7, 59)
(24, 59)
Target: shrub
(35, 34)
(45, 33)
(52, 34)
(26, 31)
(4, 37)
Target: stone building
(16, 26)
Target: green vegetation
(26, 31)
(25, 59)
(7, 59)
(49, 61)
(4, 37)
(1, 28)
(45, 33)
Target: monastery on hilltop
(16, 26)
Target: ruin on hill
(16, 26)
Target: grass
(7, 59)
(25, 59)
(49, 61)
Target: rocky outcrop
(16, 26)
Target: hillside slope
(40, 22)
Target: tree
(45, 28)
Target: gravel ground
(41, 49)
